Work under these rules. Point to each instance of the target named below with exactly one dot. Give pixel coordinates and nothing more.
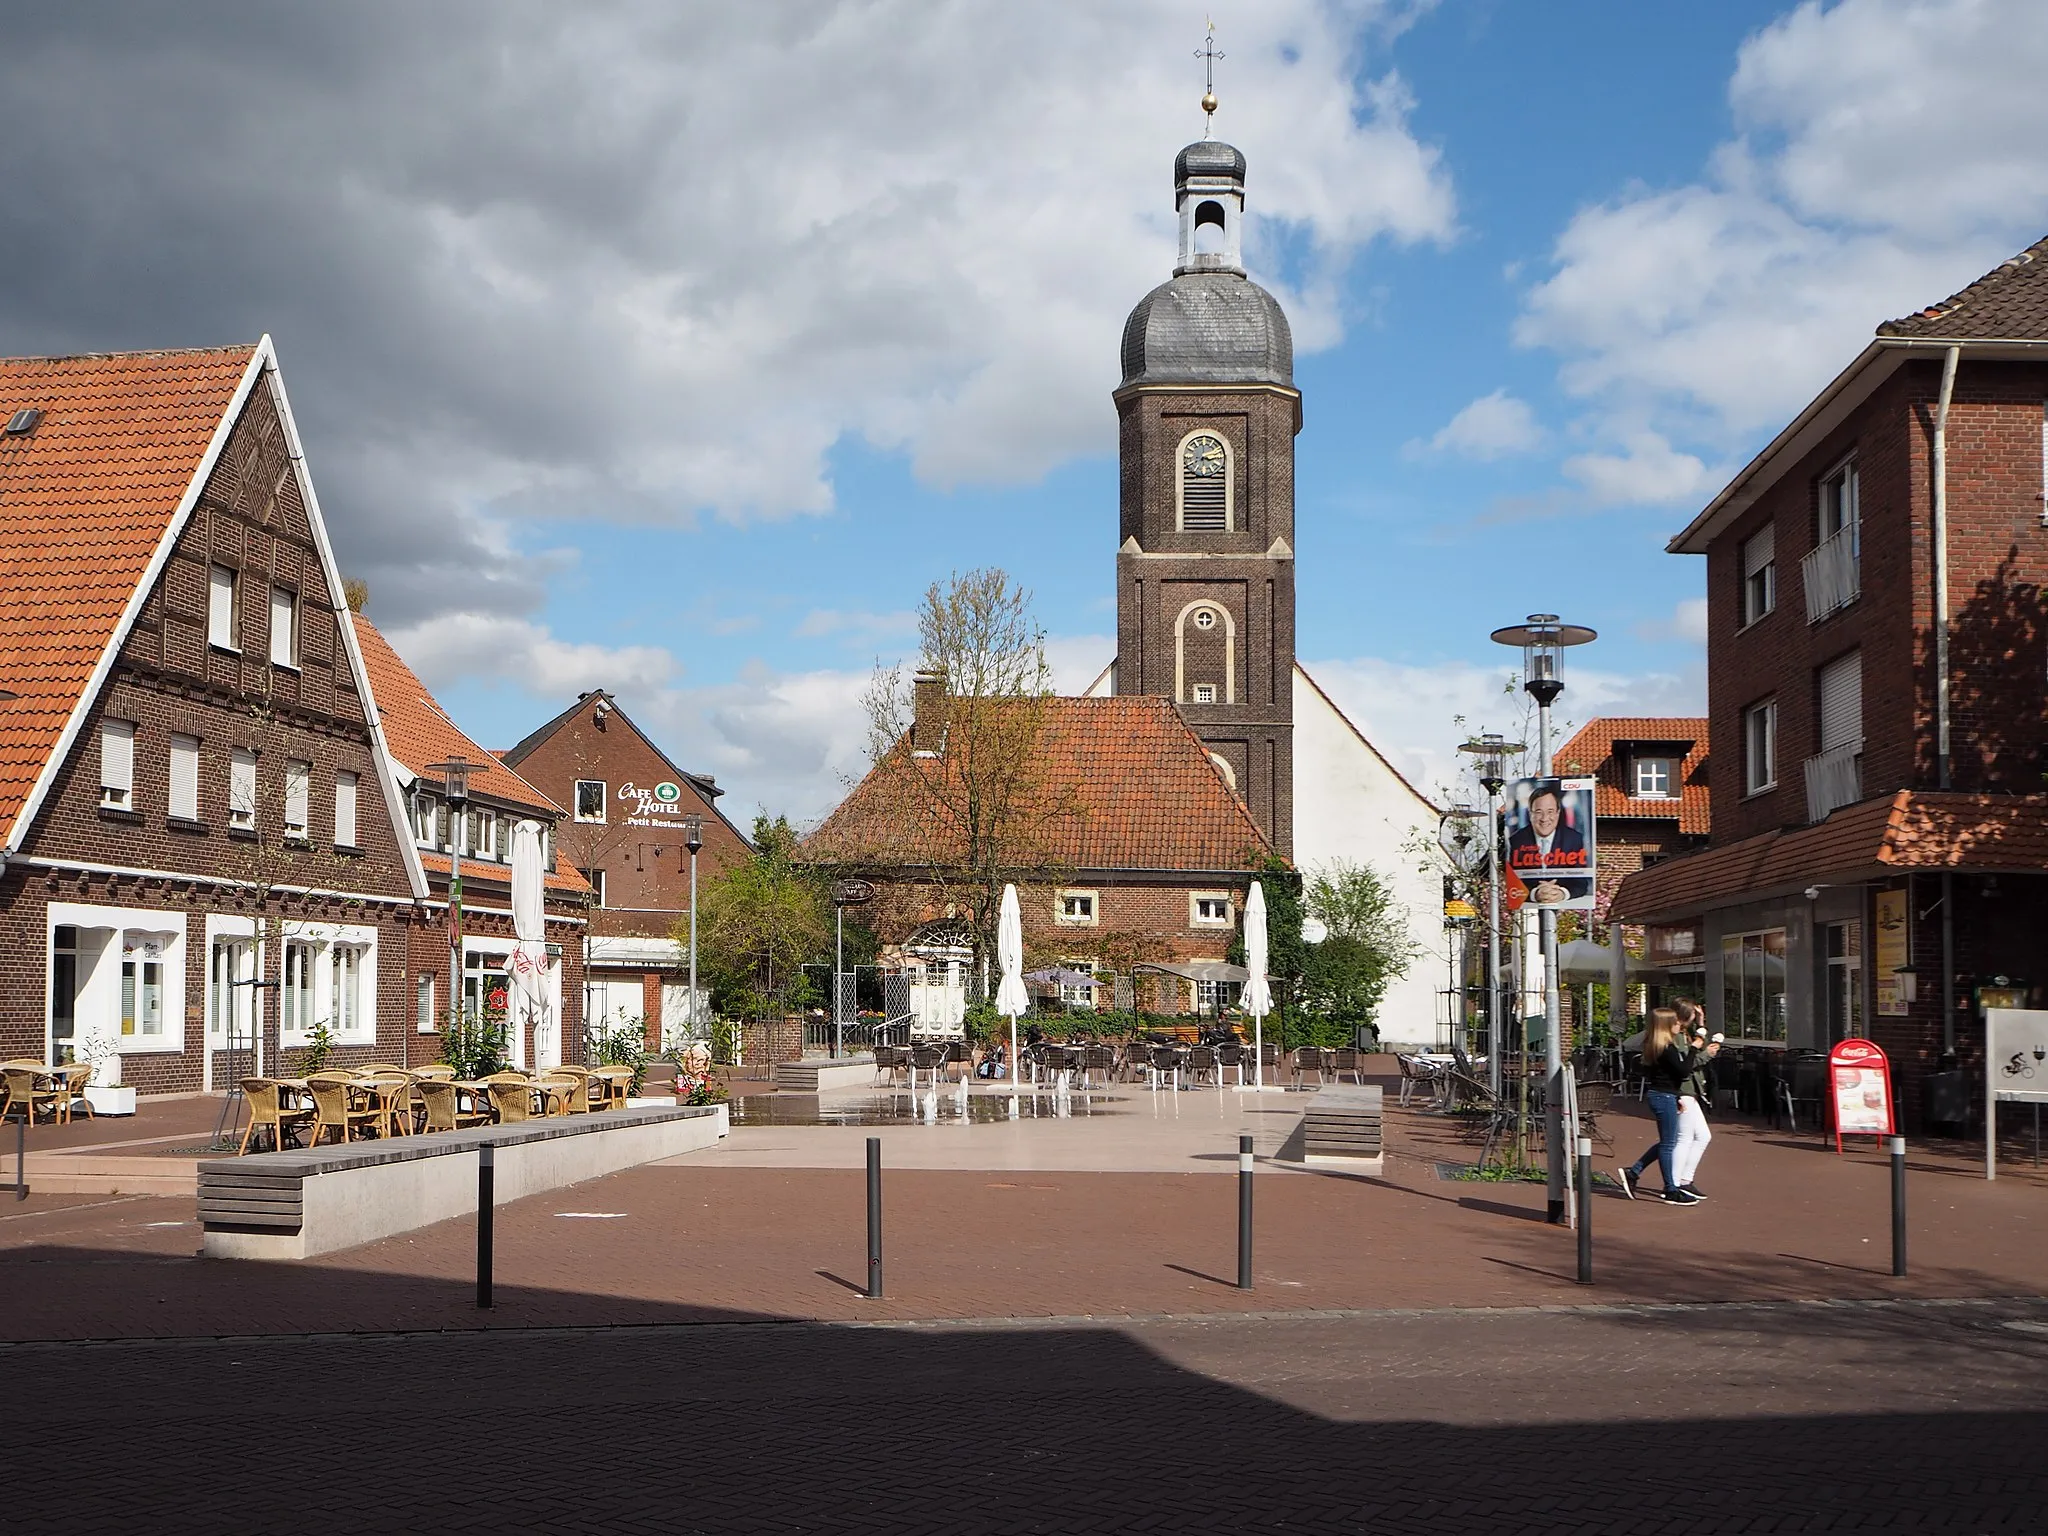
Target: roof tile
(2008, 303)
(1591, 752)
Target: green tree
(759, 922)
(1366, 950)
(1286, 953)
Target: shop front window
(1753, 986)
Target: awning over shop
(1195, 970)
(1873, 840)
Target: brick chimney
(928, 717)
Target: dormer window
(1655, 778)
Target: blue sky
(1414, 545)
(674, 348)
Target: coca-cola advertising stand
(1860, 1091)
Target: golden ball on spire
(1209, 102)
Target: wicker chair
(614, 1083)
(576, 1102)
(334, 1107)
(511, 1095)
(443, 1104)
(440, 1070)
(390, 1094)
(25, 1098)
(379, 1068)
(74, 1076)
(266, 1108)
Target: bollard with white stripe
(1244, 1213)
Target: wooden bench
(1342, 1126)
(294, 1204)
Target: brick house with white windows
(1146, 860)
(1877, 644)
(627, 801)
(194, 794)
(420, 735)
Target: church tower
(1205, 571)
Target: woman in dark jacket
(1668, 1060)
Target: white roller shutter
(117, 762)
(185, 777)
(1759, 550)
(220, 607)
(1841, 702)
(344, 810)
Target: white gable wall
(1349, 804)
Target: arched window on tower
(1209, 220)
(1205, 489)
(1205, 654)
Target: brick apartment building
(420, 734)
(1877, 644)
(627, 803)
(194, 792)
(1140, 856)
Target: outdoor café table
(555, 1093)
(471, 1096)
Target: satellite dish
(1314, 930)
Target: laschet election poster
(1549, 824)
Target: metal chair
(1308, 1058)
(1346, 1059)
(1202, 1065)
(1232, 1058)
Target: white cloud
(1410, 711)
(1651, 471)
(856, 627)
(1488, 428)
(526, 656)
(1689, 620)
(1886, 156)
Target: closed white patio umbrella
(1258, 997)
(1011, 998)
(528, 962)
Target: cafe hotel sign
(649, 807)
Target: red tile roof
(1591, 751)
(1890, 835)
(86, 499)
(2008, 303)
(560, 878)
(1144, 795)
(419, 731)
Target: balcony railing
(1832, 575)
(1835, 778)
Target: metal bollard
(1585, 1210)
(21, 1159)
(486, 1202)
(874, 1218)
(1898, 1205)
(1244, 1213)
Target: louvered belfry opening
(1204, 503)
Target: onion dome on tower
(1210, 324)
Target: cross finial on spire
(1208, 55)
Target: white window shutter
(284, 626)
(1841, 702)
(345, 810)
(298, 778)
(220, 607)
(242, 788)
(117, 761)
(1759, 550)
(185, 777)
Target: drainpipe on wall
(1941, 715)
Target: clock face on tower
(1203, 456)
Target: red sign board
(1860, 1091)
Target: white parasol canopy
(528, 962)
(1258, 997)
(1011, 998)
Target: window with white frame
(284, 627)
(590, 799)
(184, 778)
(345, 809)
(242, 789)
(426, 816)
(220, 608)
(486, 983)
(1760, 747)
(1205, 693)
(1759, 574)
(1209, 909)
(1839, 512)
(117, 764)
(1078, 994)
(482, 834)
(298, 795)
(1654, 778)
(423, 1005)
(231, 1000)
(1078, 907)
(296, 1004)
(142, 987)
(1213, 997)
(345, 989)
(596, 879)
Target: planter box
(118, 1100)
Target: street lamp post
(1492, 751)
(693, 839)
(455, 786)
(1541, 639)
